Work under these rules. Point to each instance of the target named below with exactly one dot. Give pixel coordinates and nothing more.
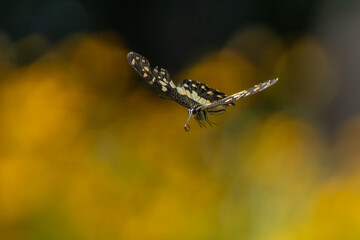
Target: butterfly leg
(198, 122)
(201, 123)
(210, 123)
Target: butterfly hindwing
(205, 94)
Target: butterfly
(200, 99)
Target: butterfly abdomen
(204, 114)
(217, 110)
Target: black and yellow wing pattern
(200, 99)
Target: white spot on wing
(188, 93)
(194, 95)
(181, 90)
(203, 101)
(172, 84)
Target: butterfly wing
(190, 94)
(202, 93)
(159, 79)
(245, 93)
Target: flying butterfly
(200, 99)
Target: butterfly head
(192, 111)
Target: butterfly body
(199, 98)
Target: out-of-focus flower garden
(89, 150)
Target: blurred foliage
(89, 151)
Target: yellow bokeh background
(89, 151)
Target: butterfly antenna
(187, 127)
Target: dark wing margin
(245, 93)
(159, 78)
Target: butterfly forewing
(159, 79)
(245, 93)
